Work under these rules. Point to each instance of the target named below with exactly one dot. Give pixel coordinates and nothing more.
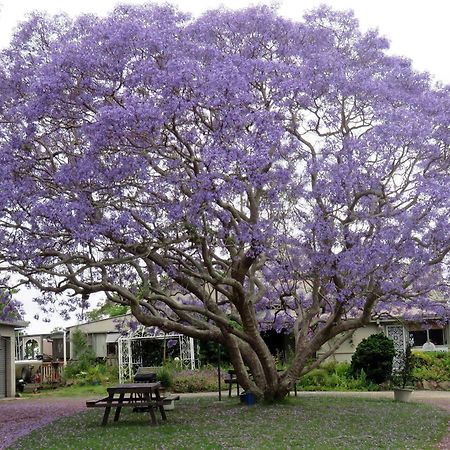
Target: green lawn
(70, 391)
(204, 423)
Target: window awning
(112, 337)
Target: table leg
(160, 406)
(107, 410)
(119, 408)
(150, 409)
(163, 412)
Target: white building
(7, 357)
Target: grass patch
(311, 423)
(75, 390)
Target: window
(434, 335)
(111, 348)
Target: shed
(7, 356)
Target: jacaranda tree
(10, 308)
(225, 175)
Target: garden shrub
(98, 373)
(199, 380)
(343, 369)
(83, 356)
(85, 368)
(335, 376)
(374, 356)
(165, 375)
(431, 366)
(317, 377)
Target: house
(40, 358)
(57, 339)
(7, 356)
(102, 336)
(30, 346)
(424, 335)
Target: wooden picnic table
(136, 395)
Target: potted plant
(164, 374)
(402, 377)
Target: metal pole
(64, 348)
(219, 375)
(164, 349)
(121, 359)
(192, 352)
(130, 358)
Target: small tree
(107, 309)
(84, 356)
(374, 356)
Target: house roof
(108, 325)
(122, 316)
(14, 323)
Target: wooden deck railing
(49, 372)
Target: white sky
(417, 29)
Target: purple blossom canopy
(10, 309)
(226, 174)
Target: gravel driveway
(20, 416)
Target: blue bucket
(248, 398)
(251, 399)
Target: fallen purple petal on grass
(19, 417)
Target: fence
(49, 372)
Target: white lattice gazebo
(130, 360)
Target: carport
(7, 356)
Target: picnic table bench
(232, 379)
(133, 395)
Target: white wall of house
(345, 351)
(7, 353)
(97, 333)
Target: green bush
(96, 374)
(199, 380)
(374, 356)
(431, 366)
(165, 375)
(85, 368)
(317, 377)
(335, 376)
(83, 356)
